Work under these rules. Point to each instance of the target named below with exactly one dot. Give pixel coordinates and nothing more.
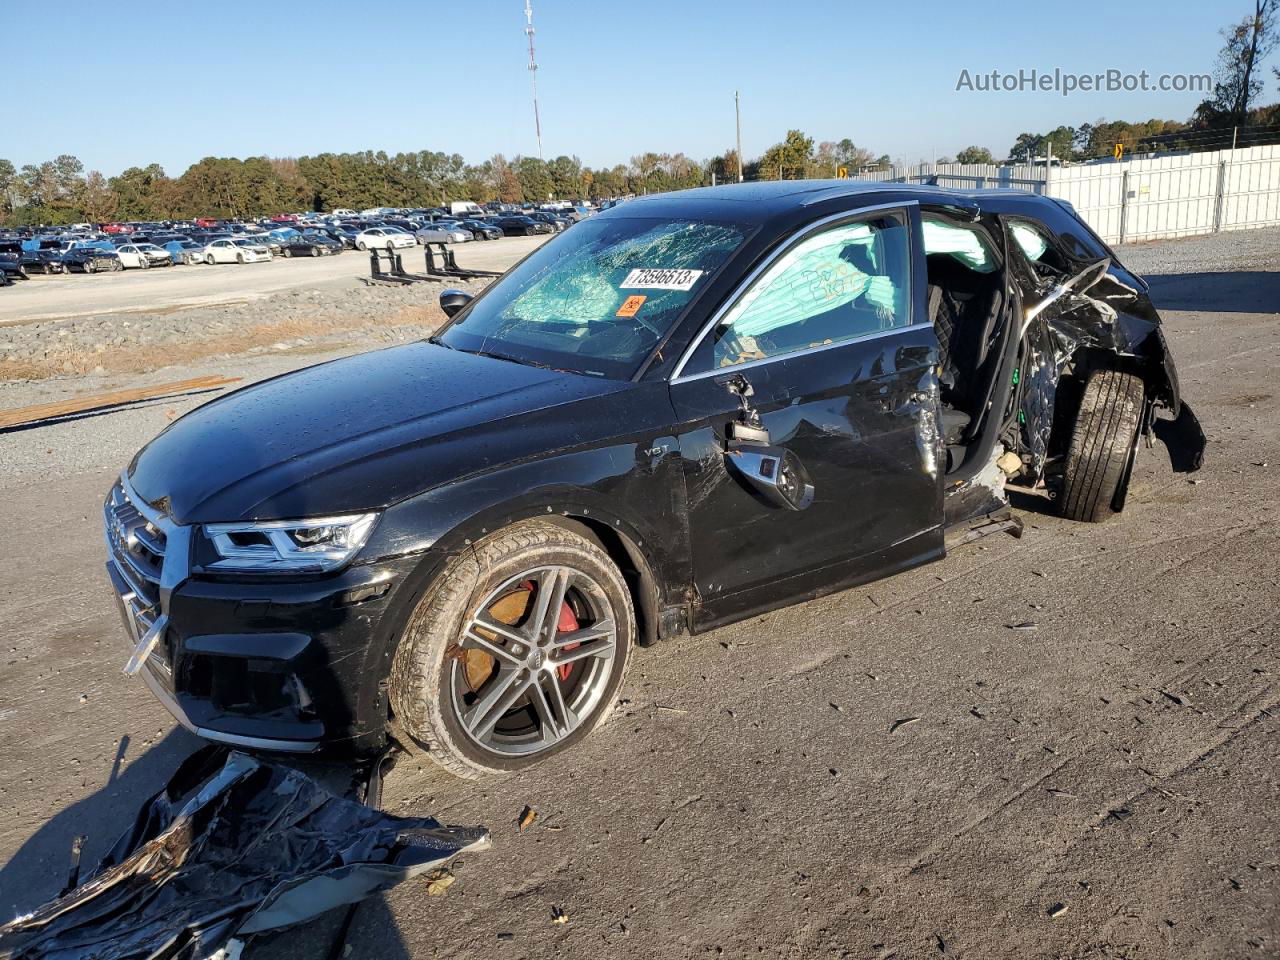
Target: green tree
(137, 193)
(8, 178)
(1236, 80)
(975, 155)
(788, 160)
(535, 182)
(848, 154)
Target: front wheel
(1104, 445)
(144, 263)
(208, 259)
(361, 247)
(239, 258)
(288, 252)
(88, 266)
(516, 652)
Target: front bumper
(281, 665)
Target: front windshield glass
(598, 298)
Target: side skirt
(924, 547)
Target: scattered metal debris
(231, 847)
(1057, 910)
(438, 881)
(1023, 625)
(902, 723)
(527, 816)
(559, 916)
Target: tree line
(61, 191)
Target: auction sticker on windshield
(631, 306)
(655, 278)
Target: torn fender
(227, 851)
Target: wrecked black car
(687, 410)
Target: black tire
(144, 262)
(1103, 446)
(361, 247)
(425, 671)
(239, 258)
(88, 266)
(288, 251)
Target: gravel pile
(135, 342)
(1213, 253)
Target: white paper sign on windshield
(657, 278)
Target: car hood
(357, 434)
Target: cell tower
(533, 74)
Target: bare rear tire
(515, 652)
(1104, 444)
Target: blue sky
(119, 84)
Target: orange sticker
(630, 306)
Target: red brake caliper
(567, 624)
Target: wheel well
(1085, 362)
(632, 563)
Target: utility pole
(533, 73)
(737, 117)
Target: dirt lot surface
(891, 771)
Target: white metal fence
(1148, 198)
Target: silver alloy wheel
(519, 683)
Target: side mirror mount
(453, 300)
(775, 473)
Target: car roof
(760, 201)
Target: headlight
(309, 546)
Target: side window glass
(846, 282)
(960, 243)
(1036, 244)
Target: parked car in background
(11, 260)
(309, 246)
(557, 222)
(482, 229)
(457, 233)
(92, 257)
(386, 238)
(235, 250)
(185, 251)
(346, 233)
(522, 226)
(143, 255)
(42, 255)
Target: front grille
(137, 548)
(137, 545)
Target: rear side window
(1037, 245)
(963, 244)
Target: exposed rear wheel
(1104, 445)
(516, 651)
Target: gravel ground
(139, 342)
(1105, 785)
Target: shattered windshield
(598, 298)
